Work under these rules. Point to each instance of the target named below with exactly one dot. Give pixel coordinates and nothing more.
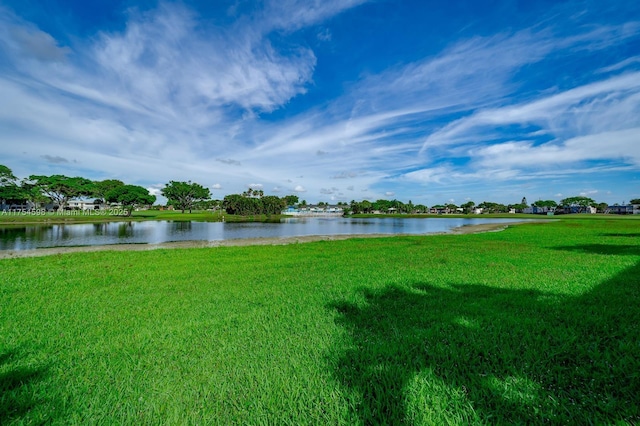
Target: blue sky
(331, 100)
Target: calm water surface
(153, 232)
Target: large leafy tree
(184, 195)
(34, 194)
(383, 205)
(354, 207)
(243, 206)
(103, 187)
(409, 207)
(635, 201)
(130, 196)
(10, 191)
(6, 175)
(491, 207)
(545, 203)
(468, 206)
(366, 206)
(452, 207)
(421, 208)
(518, 207)
(233, 203)
(577, 201)
(60, 189)
(272, 204)
(581, 203)
(291, 200)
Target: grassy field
(539, 323)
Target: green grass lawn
(539, 323)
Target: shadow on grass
(493, 355)
(16, 400)
(618, 249)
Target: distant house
(538, 210)
(313, 211)
(626, 209)
(439, 210)
(576, 209)
(4, 206)
(86, 205)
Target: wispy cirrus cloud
(162, 88)
(291, 15)
(583, 126)
(569, 112)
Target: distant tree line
(58, 190)
(567, 205)
(386, 206)
(254, 202)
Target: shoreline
(49, 251)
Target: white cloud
(620, 65)
(299, 188)
(294, 14)
(430, 175)
(616, 145)
(618, 98)
(167, 56)
(154, 191)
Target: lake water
(154, 232)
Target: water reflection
(182, 226)
(125, 230)
(99, 228)
(153, 232)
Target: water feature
(27, 237)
